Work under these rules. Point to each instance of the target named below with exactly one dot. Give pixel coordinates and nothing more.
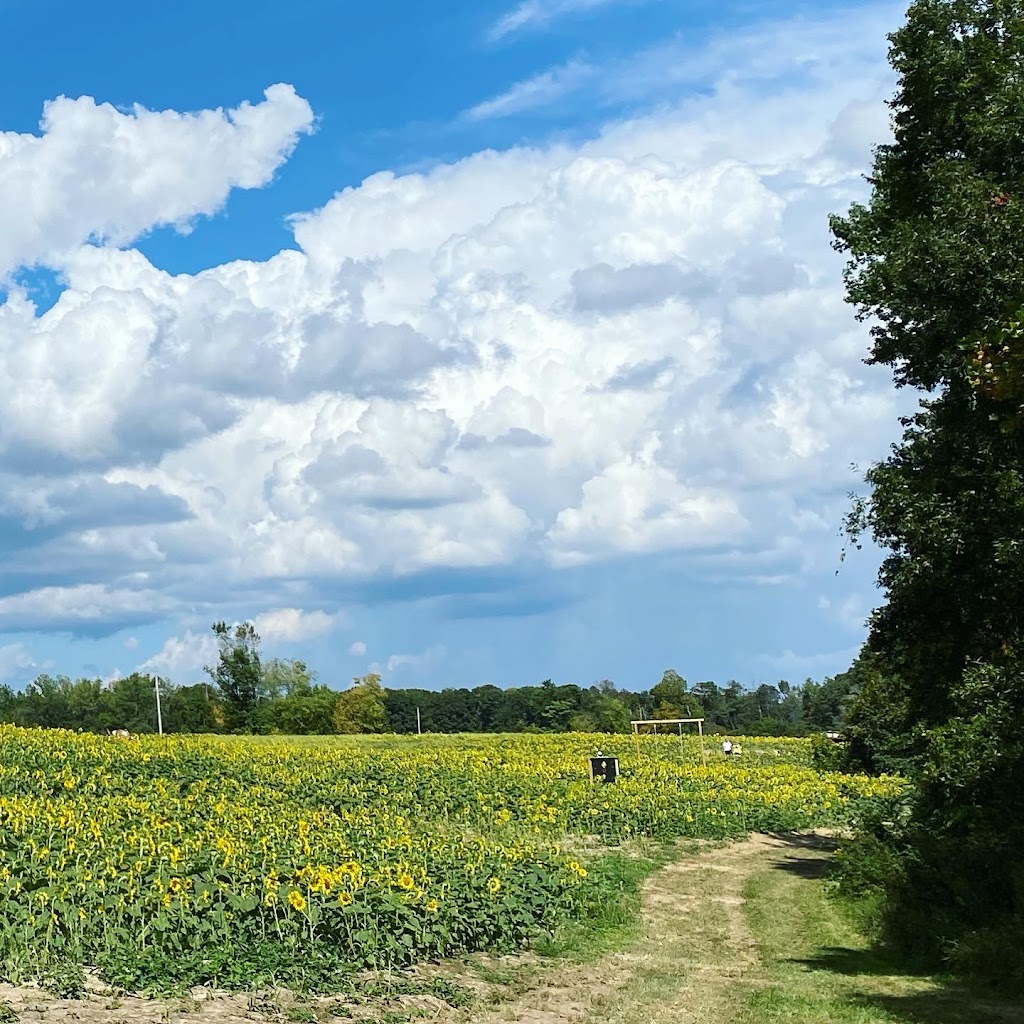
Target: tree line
(246, 694)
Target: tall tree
(671, 698)
(489, 700)
(130, 703)
(304, 713)
(361, 708)
(238, 673)
(936, 263)
(191, 709)
(286, 677)
(8, 704)
(712, 702)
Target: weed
(301, 1014)
(64, 979)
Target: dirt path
(694, 962)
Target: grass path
(817, 967)
(745, 935)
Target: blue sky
(477, 346)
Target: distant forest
(284, 698)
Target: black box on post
(604, 768)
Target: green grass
(617, 921)
(817, 968)
(616, 925)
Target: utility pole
(159, 716)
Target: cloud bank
(544, 357)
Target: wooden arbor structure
(636, 723)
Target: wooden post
(703, 756)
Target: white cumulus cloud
(550, 355)
(289, 625)
(79, 606)
(182, 658)
(96, 172)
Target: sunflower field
(206, 860)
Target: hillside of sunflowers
(206, 860)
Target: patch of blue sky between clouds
(42, 286)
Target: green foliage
(283, 677)
(361, 709)
(826, 704)
(63, 977)
(290, 702)
(963, 846)
(91, 704)
(879, 727)
(780, 710)
(310, 713)
(935, 256)
(394, 985)
(671, 686)
(826, 755)
(190, 708)
(617, 916)
(238, 673)
(935, 261)
(949, 506)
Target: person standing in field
(727, 747)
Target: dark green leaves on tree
(936, 263)
(360, 709)
(238, 674)
(935, 256)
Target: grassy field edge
(819, 966)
